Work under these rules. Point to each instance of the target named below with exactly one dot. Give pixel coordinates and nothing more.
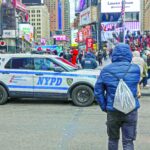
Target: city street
(56, 49)
(40, 125)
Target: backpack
(124, 100)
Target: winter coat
(138, 60)
(74, 56)
(106, 84)
(90, 55)
(89, 63)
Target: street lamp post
(17, 32)
(1, 20)
(99, 39)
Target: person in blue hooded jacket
(89, 62)
(105, 89)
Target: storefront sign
(9, 34)
(60, 37)
(84, 33)
(89, 43)
(85, 17)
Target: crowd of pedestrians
(86, 59)
(140, 47)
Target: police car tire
(4, 98)
(75, 92)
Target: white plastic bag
(124, 100)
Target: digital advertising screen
(116, 5)
(79, 5)
(26, 30)
(31, 1)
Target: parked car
(44, 76)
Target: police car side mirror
(58, 69)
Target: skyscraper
(39, 18)
(67, 18)
(59, 16)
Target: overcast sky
(72, 9)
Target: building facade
(142, 17)
(13, 13)
(52, 8)
(59, 16)
(147, 16)
(66, 24)
(86, 23)
(39, 18)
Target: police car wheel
(3, 95)
(82, 96)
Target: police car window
(44, 64)
(20, 63)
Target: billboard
(85, 16)
(115, 6)
(112, 17)
(112, 26)
(74, 36)
(31, 1)
(52, 48)
(26, 31)
(60, 37)
(80, 5)
(109, 28)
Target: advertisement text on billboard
(115, 6)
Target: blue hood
(122, 53)
(90, 55)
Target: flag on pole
(121, 20)
(123, 12)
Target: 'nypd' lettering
(49, 81)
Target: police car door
(47, 83)
(18, 76)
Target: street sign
(2, 43)
(9, 33)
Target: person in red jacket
(74, 56)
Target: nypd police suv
(43, 76)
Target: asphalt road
(40, 125)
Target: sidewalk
(105, 63)
(146, 92)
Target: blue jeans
(128, 125)
(144, 81)
(148, 74)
